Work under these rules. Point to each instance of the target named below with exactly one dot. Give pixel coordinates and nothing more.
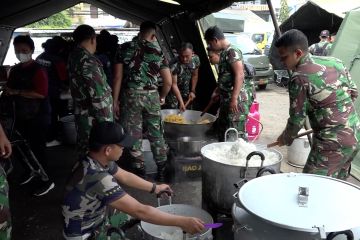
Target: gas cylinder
(253, 122)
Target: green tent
(347, 48)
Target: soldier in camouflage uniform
(320, 88)
(323, 47)
(94, 185)
(89, 88)
(5, 219)
(232, 89)
(185, 72)
(141, 63)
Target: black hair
(186, 45)
(214, 33)
(147, 26)
(105, 33)
(293, 39)
(25, 39)
(82, 33)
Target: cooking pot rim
(204, 148)
(289, 204)
(144, 224)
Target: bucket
(298, 152)
(68, 129)
(252, 122)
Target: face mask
(24, 57)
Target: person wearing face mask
(88, 85)
(28, 88)
(184, 71)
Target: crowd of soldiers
(320, 89)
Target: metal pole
(273, 17)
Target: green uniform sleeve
(196, 60)
(233, 56)
(99, 92)
(298, 108)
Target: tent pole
(273, 17)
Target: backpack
(320, 51)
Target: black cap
(105, 133)
(325, 33)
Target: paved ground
(40, 218)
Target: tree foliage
(284, 11)
(58, 20)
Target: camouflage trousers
(142, 114)
(5, 219)
(83, 126)
(171, 101)
(330, 162)
(227, 119)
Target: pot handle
(231, 129)
(349, 234)
(129, 224)
(249, 156)
(264, 170)
(240, 183)
(118, 231)
(158, 196)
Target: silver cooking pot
(297, 206)
(153, 232)
(220, 181)
(175, 130)
(187, 146)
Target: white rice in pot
(224, 153)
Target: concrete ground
(40, 218)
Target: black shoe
(44, 188)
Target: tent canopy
(312, 18)
(21, 12)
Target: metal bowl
(152, 232)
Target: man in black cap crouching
(94, 185)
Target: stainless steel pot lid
(332, 205)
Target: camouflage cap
(105, 133)
(325, 33)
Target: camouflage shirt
(321, 88)
(321, 48)
(142, 61)
(89, 88)
(226, 75)
(91, 188)
(5, 218)
(184, 73)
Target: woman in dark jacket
(28, 87)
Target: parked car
(252, 55)
(268, 44)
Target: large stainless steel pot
(220, 181)
(298, 207)
(175, 130)
(153, 232)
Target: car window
(246, 45)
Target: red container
(253, 122)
